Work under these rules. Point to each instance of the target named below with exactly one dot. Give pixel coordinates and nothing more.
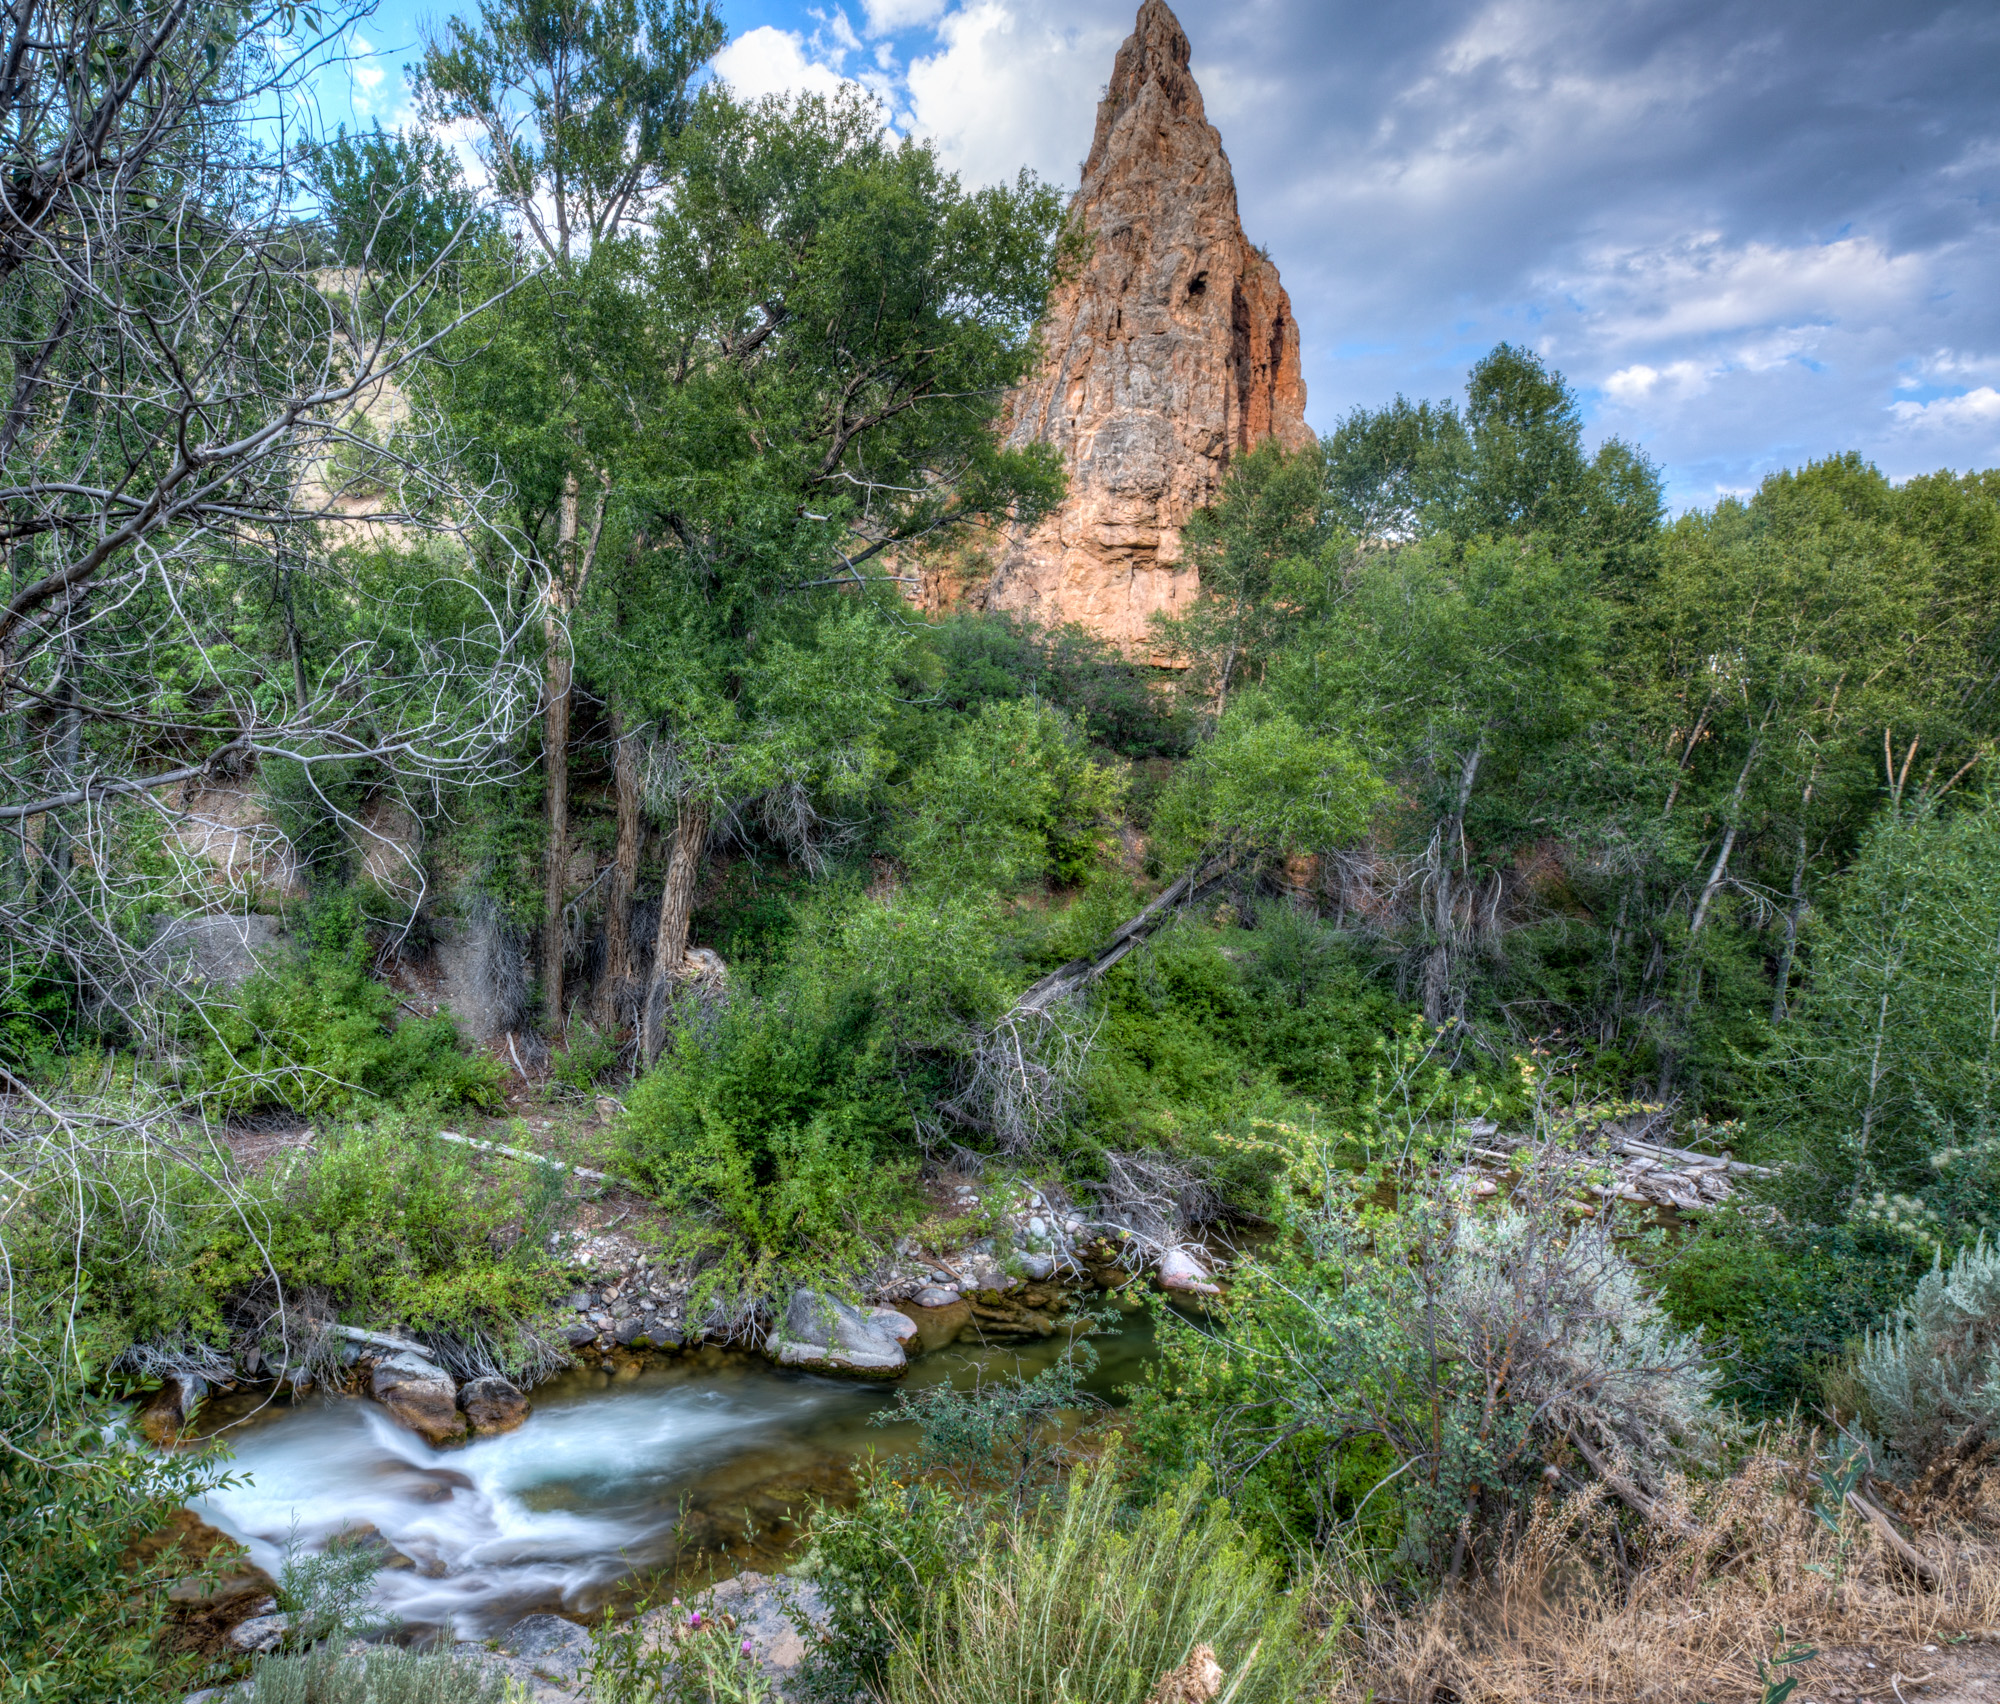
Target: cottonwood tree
(804, 353)
(579, 110)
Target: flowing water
(693, 1468)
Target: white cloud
(1009, 86)
(1970, 410)
(887, 15)
(771, 61)
(1638, 382)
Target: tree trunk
(1444, 895)
(676, 906)
(555, 742)
(614, 990)
(1781, 992)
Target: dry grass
(1577, 1614)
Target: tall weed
(1085, 1600)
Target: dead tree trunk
(615, 989)
(1448, 846)
(676, 907)
(555, 746)
(565, 588)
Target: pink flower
(694, 1618)
(746, 1647)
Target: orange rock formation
(1170, 349)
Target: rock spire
(1171, 348)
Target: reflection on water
(701, 1465)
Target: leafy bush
(991, 656)
(1087, 1600)
(1931, 1372)
(381, 1223)
(1459, 1350)
(79, 1613)
(322, 1036)
(1012, 797)
(777, 1123)
(1788, 1299)
(578, 1067)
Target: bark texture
(676, 907)
(1170, 350)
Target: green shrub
(1930, 1373)
(579, 1066)
(778, 1125)
(80, 1615)
(1787, 1299)
(383, 1223)
(1089, 1600)
(322, 1035)
(1012, 797)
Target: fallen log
(1912, 1558)
(1630, 1494)
(1196, 885)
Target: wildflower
(746, 1647)
(694, 1618)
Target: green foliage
(1012, 797)
(383, 1222)
(1264, 785)
(1787, 1298)
(581, 1063)
(777, 1126)
(1929, 1375)
(392, 202)
(79, 1614)
(328, 1593)
(322, 1036)
(1080, 1600)
(38, 1011)
(1888, 1076)
(1121, 706)
(1436, 1353)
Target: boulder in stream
(418, 1395)
(1182, 1269)
(493, 1405)
(170, 1408)
(827, 1335)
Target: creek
(682, 1472)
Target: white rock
(1181, 1269)
(896, 1323)
(260, 1633)
(1037, 1228)
(935, 1296)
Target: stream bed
(685, 1471)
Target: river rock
(896, 1323)
(553, 1648)
(232, 1582)
(647, 1333)
(260, 1633)
(579, 1334)
(1181, 1269)
(492, 1405)
(935, 1296)
(419, 1396)
(170, 1408)
(1169, 351)
(827, 1335)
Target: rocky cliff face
(1172, 348)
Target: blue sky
(1750, 232)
